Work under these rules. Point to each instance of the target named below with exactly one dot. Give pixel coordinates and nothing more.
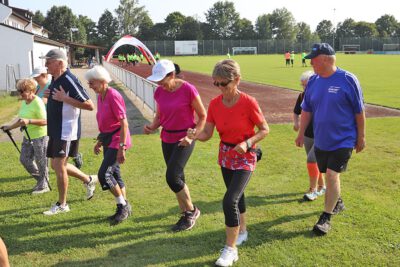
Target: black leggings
(234, 203)
(109, 173)
(176, 158)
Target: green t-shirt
(303, 55)
(34, 110)
(292, 56)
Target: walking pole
(12, 139)
(23, 128)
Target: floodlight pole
(333, 35)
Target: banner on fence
(186, 48)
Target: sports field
(378, 74)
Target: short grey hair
(98, 73)
(228, 69)
(306, 75)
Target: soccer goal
(391, 47)
(244, 50)
(351, 48)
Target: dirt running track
(276, 103)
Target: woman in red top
(234, 114)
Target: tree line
(222, 22)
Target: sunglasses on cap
(222, 84)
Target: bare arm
(361, 142)
(123, 135)
(204, 135)
(296, 122)
(304, 121)
(263, 131)
(149, 128)
(201, 114)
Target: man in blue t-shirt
(66, 98)
(334, 101)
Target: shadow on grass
(16, 179)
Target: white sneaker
(243, 236)
(228, 257)
(91, 186)
(57, 208)
(310, 196)
(321, 191)
(41, 191)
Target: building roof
(44, 40)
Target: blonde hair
(98, 73)
(28, 84)
(228, 69)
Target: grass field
(378, 74)
(366, 234)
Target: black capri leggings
(234, 202)
(109, 173)
(176, 158)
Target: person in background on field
(32, 115)
(334, 101)
(157, 56)
(3, 254)
(303, 59)
(287, 58)
(177, 102)
(316, 178)
(141, 57)
(66, 98)
(112, 123)
(292, 55)
(234, 114)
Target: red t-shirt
(235, 124)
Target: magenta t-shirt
(109, 113)
(176, 111)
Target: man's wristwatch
(122, 145)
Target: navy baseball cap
(320, 49)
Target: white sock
(120, 200)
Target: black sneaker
(112, 217)
(78, 160)
(323, 225)
(187, 220)
(339, 207)
(121, 214)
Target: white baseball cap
(161, 69)
(37, 71)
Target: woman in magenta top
(235, 115)
(177, 103)
(114, 138)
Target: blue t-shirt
(333, 102)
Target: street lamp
(333, 35)
(73, 30)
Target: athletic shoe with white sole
(56, 209)
(310, 196)
(41, 190)
(78, 160)
(228, 257)
(321, 191)
(187, 220)
(243, 236)
(91, 186)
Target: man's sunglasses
(222, 84)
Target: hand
(147, 129)
(361, 143)
(191, 133)
(60, 94)
(5, 128)
(241, 148)
(299, 140)
(23, 122)
(121, 155)
(185, 141)
(97, 148)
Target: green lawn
(378, 74)
(9, 108)
(366, 234)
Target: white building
(22, 42)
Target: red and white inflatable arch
(129, 40)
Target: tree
(145, 28)
(325, 30)
(304, 32)
(129, 16)
(263, 27)
(346, 28)
(283, 24)
(38, 18)
(365, 29)
(90, 29)
(107, 28)
(59, 21)
(245, 30)
(191, 29)
(387, 26)
(222, 18)
(159, 30)
(174, 22)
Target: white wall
(40, 49)
(15, 49)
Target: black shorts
(335, 160)
(60, 148)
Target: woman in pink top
(114, 138)
(177, 101)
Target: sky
(308, 11)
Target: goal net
(244, 50)
(391, 47)
(351, 48)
